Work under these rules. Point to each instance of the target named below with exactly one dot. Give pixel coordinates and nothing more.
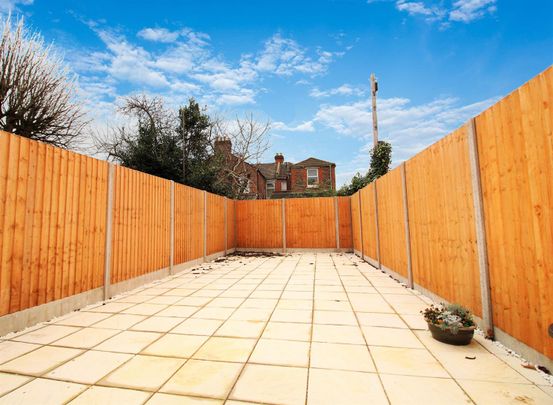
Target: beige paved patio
(303, 328)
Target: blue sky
(305, 65)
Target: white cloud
(409, 127)
(285, 57)
(158, 34)
(470, 10)
(184, 87)
(306, 126)
(419, 8)
(245, 96)
(131, 63)
(184, 61)
(457, 11)
(343, 90)
(7, 6)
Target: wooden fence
(141, 224)
(296, 223)
(52, 229)
(54, 224)
(470, 218)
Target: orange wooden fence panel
(215, 223)
(441, 216)
(515, 143)
(310, 223)
(189, 224)
(355, 224)
(259, 224)
(231, 218)
(141, 224)
(391, 222)
(52, 223)
(344, 220)
(368, 221)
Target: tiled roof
(314, 162)
(268, 170)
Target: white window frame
(316, 183)
(283, 185)
(270, 189)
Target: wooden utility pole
(374, 89)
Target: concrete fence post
(205, 225)
(337, 221)
(226, 226)
(109, 230)
(361, 224)
(410, 282)
(284, 224)
(485, 292)
(376, 224)
(235, 225)
(172, 228)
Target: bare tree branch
(250, 141)
(37, 92)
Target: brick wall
(298, 179)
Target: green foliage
(200, 166)
(381, 158)
(304, 194)
(357, 182)
(150, 147)
(175, 147)
(450, 316)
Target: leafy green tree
(381, 158)
(150, 145)
(180, 145)
(173, 146)
(200, 165)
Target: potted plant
(451, 323)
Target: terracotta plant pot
(461, 338)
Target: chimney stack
(279, 158)
(223, 145)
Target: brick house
(281, 179)
(285, 178)
(255, 188)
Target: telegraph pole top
(374, 90)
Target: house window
(283, 186)
(312, 177)
(270, 186)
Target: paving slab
(302, 328)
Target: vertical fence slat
(205, 224)
(172, 228)
(284, 224)
(226, 225)
(376, 224)
(109, 230)
(406, 219)
(337, 221)
(361, 224)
